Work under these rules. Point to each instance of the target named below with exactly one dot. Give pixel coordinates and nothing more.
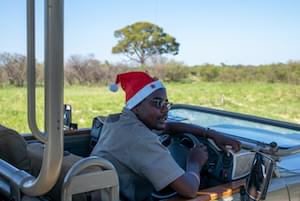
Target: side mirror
(67, 116)
(260, 175)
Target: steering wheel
(217, 170)
(179, 146)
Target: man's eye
(160, 103)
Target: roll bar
(54, 72)
(76, 181)
(31, 114)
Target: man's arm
(188, 184)
(220, 140)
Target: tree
(15, 68)
(142, 40)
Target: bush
(3, 77)
(207, 72)
(86, 70)
(14, 66)
(169, 72)
(284, 73)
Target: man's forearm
(179, 127)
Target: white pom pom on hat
(113, 87)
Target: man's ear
(135, 110)
(138, 109)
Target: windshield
(236, 126)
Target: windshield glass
(261, 132)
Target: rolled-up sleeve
(154, 161)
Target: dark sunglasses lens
(157, 102)
(169, 105)
(160, 104)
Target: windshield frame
(281, 151)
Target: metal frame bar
(250, 144)
(105, 178)
(54, 72)
(31, 114)
(240, 116)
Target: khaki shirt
(141, 161)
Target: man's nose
(165, 109)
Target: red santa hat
(137, 86)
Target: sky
(247, 32)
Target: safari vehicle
(55, 164)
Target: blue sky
(209, 31)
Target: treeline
(86, 70)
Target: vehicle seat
(35, 153)
(29, 156)
(13, 148)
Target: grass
(276, 101)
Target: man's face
(153, 110)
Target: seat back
(13, 148)
(35, 153)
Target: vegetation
(266, 90)
(14, 66)
(86, 70)
(276, 101)
(142, 40)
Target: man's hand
(223, 141)
(188, 184)
(198, 155)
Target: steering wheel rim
(179, 146)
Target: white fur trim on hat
(143, 93)
(113, 87)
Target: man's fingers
(201, 146)
(237, 146)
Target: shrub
(14, 66)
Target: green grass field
(276, 101)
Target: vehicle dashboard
(221, 167)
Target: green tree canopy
(141, 40)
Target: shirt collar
(128, 112)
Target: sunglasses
(161, 104)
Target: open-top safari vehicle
(55, 164)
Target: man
(128, 141)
